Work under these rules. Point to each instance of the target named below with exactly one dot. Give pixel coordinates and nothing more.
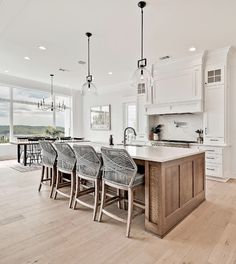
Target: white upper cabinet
(214, 116)
(216, 101)
(178, 87)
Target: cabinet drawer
(214, 170)
(211, 150)
(214, 140)
(213, 158)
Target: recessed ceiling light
(42, 48)
(6, 71)
(192, 49)
(27, 58)
(110, 73)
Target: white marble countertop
(156, 154)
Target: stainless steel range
(172, 143)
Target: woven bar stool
(88, 167)
(65, 164)
(120, 172)
(49, 157)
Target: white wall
(232, 119)
(115, 96)
(77, 114)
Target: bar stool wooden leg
(72, 190)
(96, 198)
(42, 177)
(77, 189)
(57, 183)
(130, 210)
(50, 176)
(53, 180)
(102, 201)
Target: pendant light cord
(52, 85)
(141, 33)
(88, 56)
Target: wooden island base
(173, 189)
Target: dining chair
(88, 167)
(120, 172)
(49, 157)
(66, 162)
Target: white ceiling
(171, 27)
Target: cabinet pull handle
(210, 158)
(211, 169)
(214, 139)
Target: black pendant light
(88, 87)
(142, 75)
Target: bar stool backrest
(66, 157)
(88, 163)
(49, 154)
(119, 167)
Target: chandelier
(51, 106)
(142, 74)
(88, 87)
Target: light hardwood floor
(36, 229)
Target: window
(130, 115)
(63, 119)
(28, 120)
(4, 115)
(20, 116)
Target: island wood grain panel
(186, 182)
(199, 173)
(172, 195)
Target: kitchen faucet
(125, 136)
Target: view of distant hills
(25, 130)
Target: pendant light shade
(88, 87)
(142, 75)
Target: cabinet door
(214, 122)
(175, 86)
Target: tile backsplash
(179, 127)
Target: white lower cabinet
(216, 161)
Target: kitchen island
(174, 183)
